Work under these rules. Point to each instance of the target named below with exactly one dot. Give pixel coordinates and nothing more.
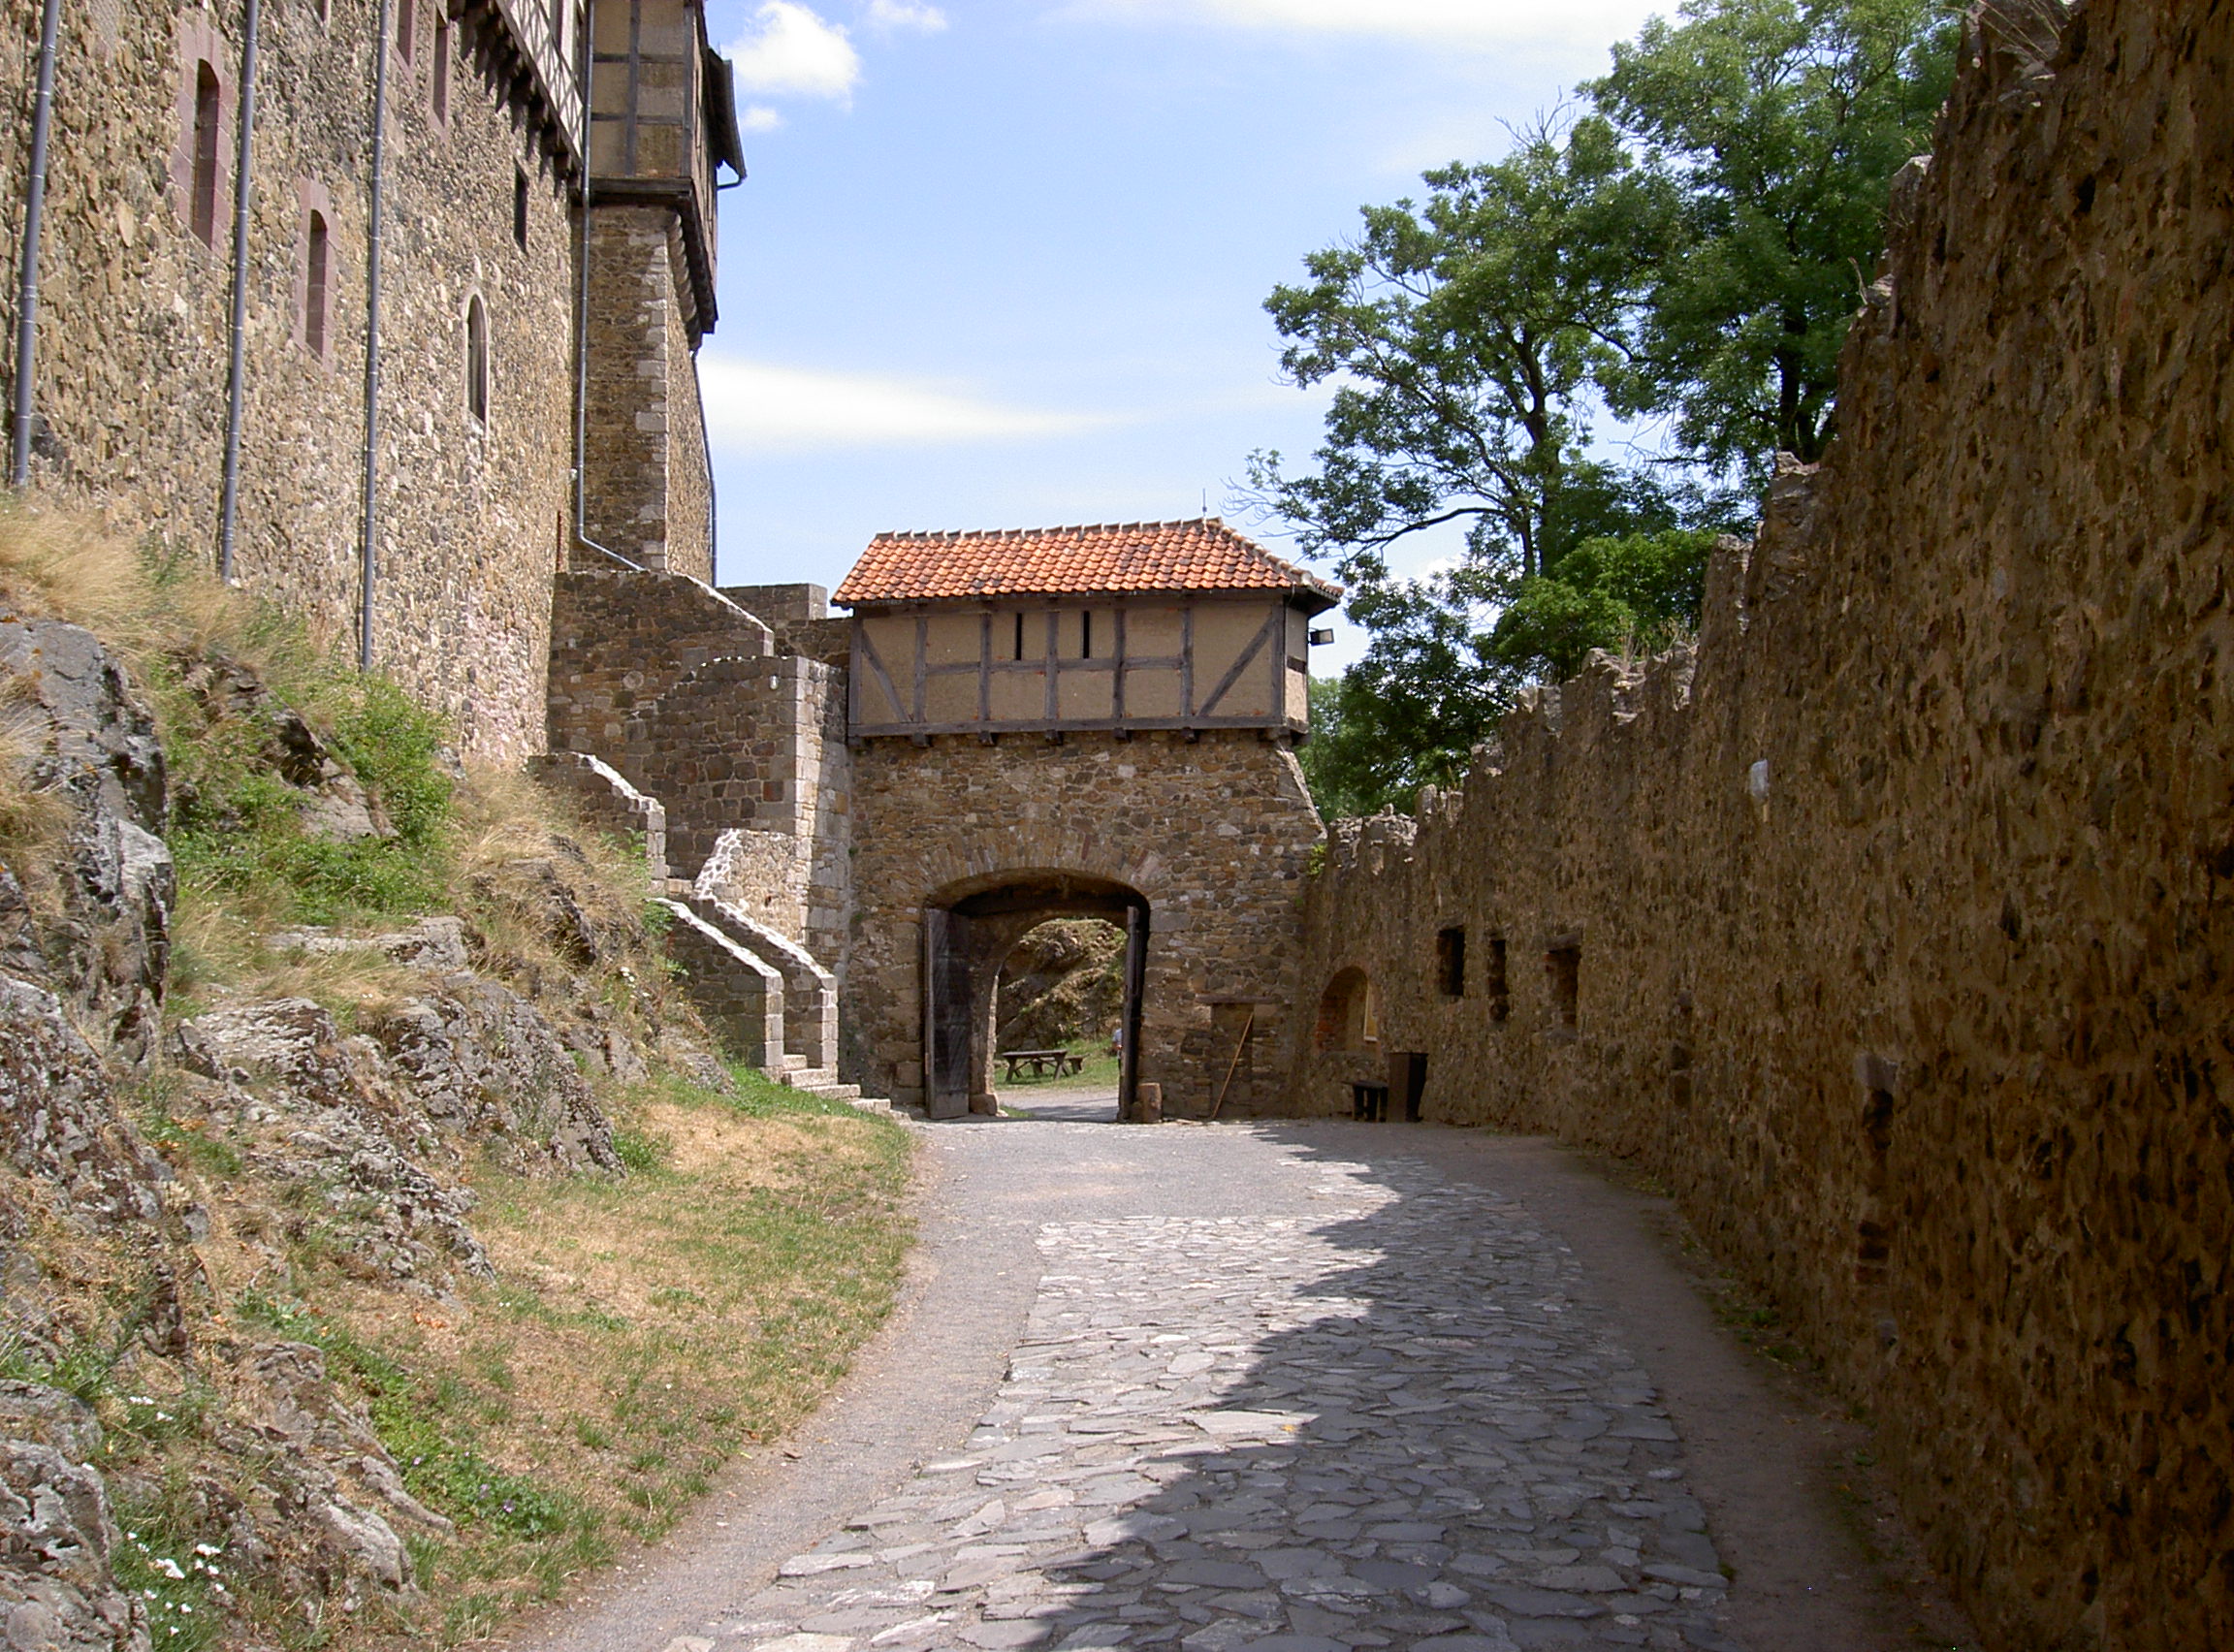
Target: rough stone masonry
(1890, 925)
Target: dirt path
(1289, 1388)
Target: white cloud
(759, 407)
(1462, 22)
(793, 52)
(895, 17)
(759, 117)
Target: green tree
(1692, 249)
(1770, 131)
(1635, 591)
(1461, 335)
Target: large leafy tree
(1773, 129)
(1691, 249)
(1460, 334)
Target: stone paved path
(1291, 1388)
(1389, 1424)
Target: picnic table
(1043, 1064)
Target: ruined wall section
(135, 313)
(687, 694)
(1892, 927)
(1214, 833)
(619, 640)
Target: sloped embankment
(383, 1243)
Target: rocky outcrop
(59, 1117)
(371, 1125)
(93, 921)
(57, 1543)
(322, 1113)
(483, 1064)
(1065, 981)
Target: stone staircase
(763, 995)
(792, 1072)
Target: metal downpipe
(27, 285)
(369, 561)
(236, 388)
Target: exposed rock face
(58, 1118)
(56, 1542)
(105, 944)
(1065, 981)
(484, 1063)
(1892, 927)
(325, 1113)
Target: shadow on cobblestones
(1392, 1425)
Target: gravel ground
(1296, 1387)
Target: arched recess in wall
(968, 928)
(1350, 1012)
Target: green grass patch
(641, 1330)
(1099, 1068)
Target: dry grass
(54, 565)
(32, 818)
(641, 1331)
(641, 1328)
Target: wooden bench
(1043, 1064)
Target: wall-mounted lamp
(1321, 633)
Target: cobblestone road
(1375, 1415)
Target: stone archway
(1212, 834)
(1349, 1013)
(967, 928)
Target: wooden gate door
(946, 1014)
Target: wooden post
(1241, 1043)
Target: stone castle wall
(1214, 833)
(620, 640)
(1891, 926)
(135, 317)
(650, 497)
(685, 693)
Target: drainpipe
(368, 561)
(27, 286)
(582, 309)
(713, 498)
(234, 389)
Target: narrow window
(443, 68)
(406, 29)
(1085, 636)
(202, 206)
(1500, 993)
(1019, 654)
(477, 361)
(519, 207)
(318, 267)
(1451, 961)
(1564, 965)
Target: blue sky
(1002, 264)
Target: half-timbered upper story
(1139, 625)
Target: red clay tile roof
(1203, 555)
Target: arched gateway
(1078, 722)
